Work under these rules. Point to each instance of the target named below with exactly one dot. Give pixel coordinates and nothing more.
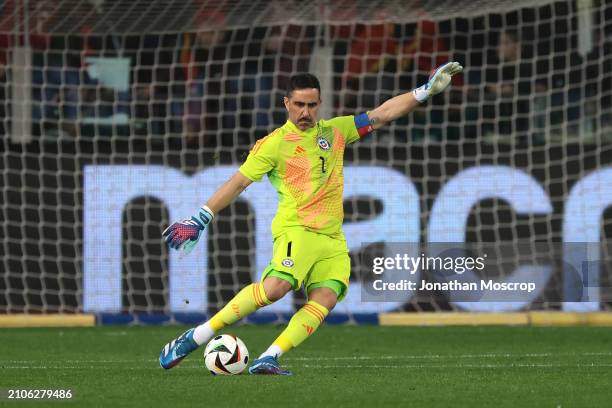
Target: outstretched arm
(228, 192)
(405, 103)
(186, 233)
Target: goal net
(120, 117)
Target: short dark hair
(302, 81)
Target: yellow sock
(303, 323)
(248, 300)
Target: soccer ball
(226, 355)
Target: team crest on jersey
(323, 143)
(287, 262)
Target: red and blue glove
(184, 235)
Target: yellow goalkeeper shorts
(314, 260)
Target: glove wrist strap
(203, 217)
(210, 212)
(421, 93)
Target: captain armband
(363, 125)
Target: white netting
(165, 16)
(122, 101)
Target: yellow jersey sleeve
(346, 125)
(262, 158)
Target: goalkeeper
(303, 160)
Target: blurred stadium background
(119, 116)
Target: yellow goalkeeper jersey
(306, 168)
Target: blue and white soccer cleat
(267, 366)
(175, 351)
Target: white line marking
(456, 366)
(349, 358)
(447, 356)
(350, 366)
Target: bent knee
(275, 288)
(329, 304)
(326, 297)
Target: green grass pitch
(367, 366)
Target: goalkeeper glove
(438, 81)
(185, 234)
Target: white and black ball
(226, 354)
